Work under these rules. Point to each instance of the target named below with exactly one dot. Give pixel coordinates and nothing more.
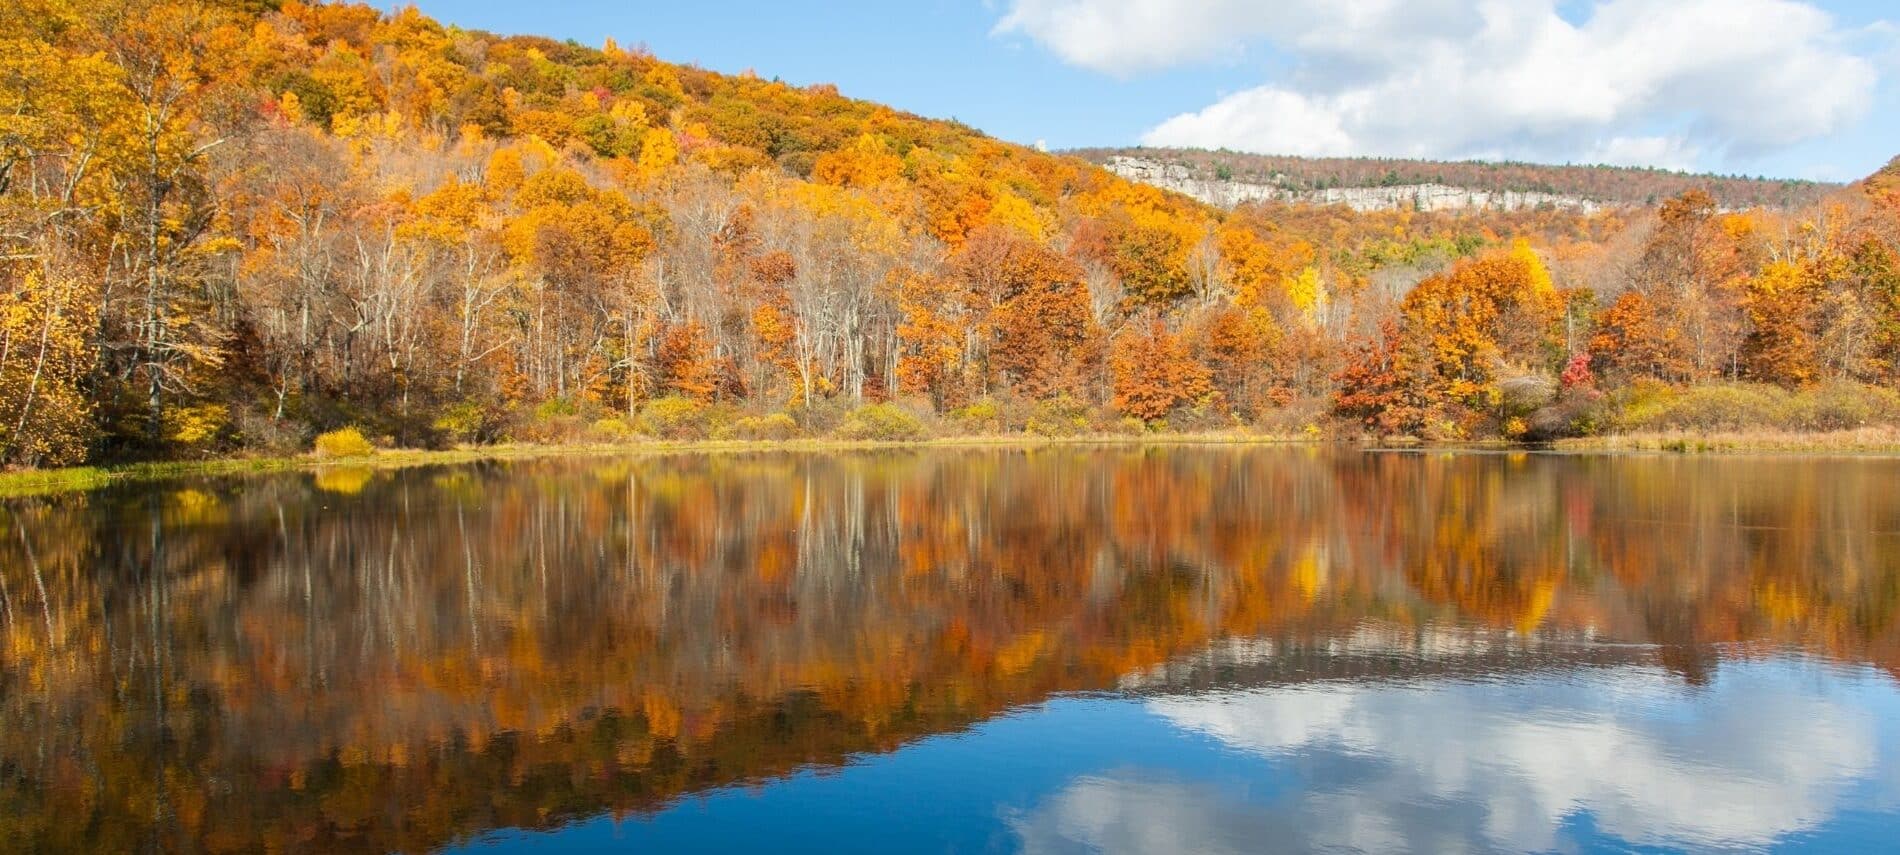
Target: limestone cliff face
(1423, 197)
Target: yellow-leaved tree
(44, 359)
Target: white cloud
(1665, 151)
(1267, 120)
(1666, 82)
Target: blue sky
(1799, 88)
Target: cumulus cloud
(1669, 82)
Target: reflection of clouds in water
(1131, 813)
(1127, 814)
(1759, 754)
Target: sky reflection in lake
(1785, 753)
(1054, 650)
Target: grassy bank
(39, 482)
(1869, 440)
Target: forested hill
(1602, 185)
(230, 225)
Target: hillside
(230, 225)
(1884, 186)
(1227, 178)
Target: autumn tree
(931, 339)
(1152, 261)
(44, 359)
(1460, 335)
(1374, 392)
(1045, 337)
(60, 102)
(686, 362)
(1155, 373)
(1876, 266)
(1691, 274)
(169, 58)
(1630, 339)
(1237, 346)
(1781, 346)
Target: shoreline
(28, 483)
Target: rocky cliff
(1424, 197)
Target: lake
(1064, 649)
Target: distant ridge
(1227, 177)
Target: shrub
(1207, 414)
(881, 422)
(610, 429)
(1521, 395)
(823, 416)
(1448, 424)
(555, 408)
(1576, 412)
(1725, 406)
(263, 432)
(551, 430)
(1058, 416)
(1636, 403)
(777, 426)
(551, 422)
(979, 417)
(1648, 405)
(469, 421)
(675, 418)
(197, 428)
(1841, 406)
(347, 442)
(1295, 415)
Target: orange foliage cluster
(1706, 296)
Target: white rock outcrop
(1423, 197)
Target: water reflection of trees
(393, 660)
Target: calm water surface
(1060, 650)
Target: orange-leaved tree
(1155, 373)
(1045, 337)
